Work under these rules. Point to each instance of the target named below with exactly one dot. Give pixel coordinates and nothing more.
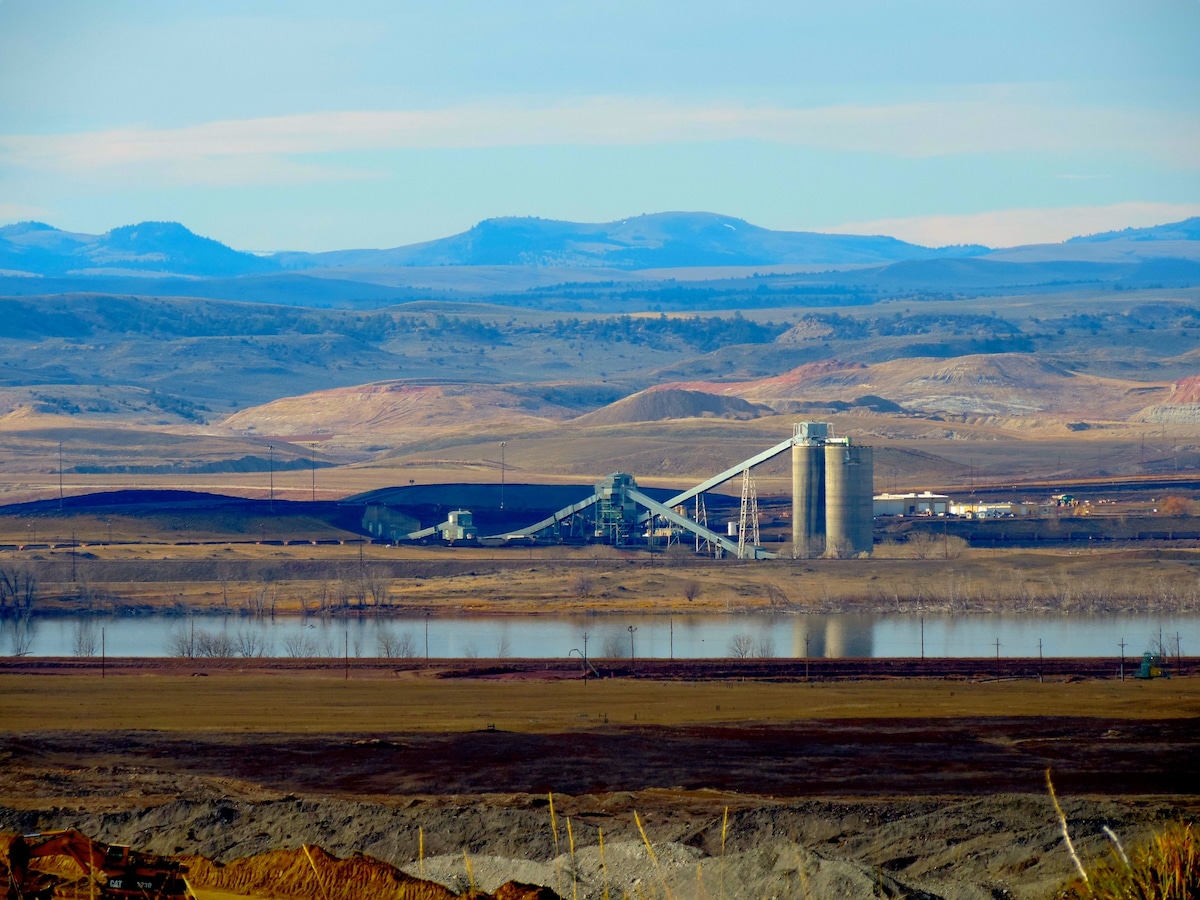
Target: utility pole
(73, 578)
(312, 464)
(60, 477)
(631, 629)
(671, 623)
(807, 638)
(502, 443)
(271, 447)
(922, 638)
(1039, 660)
(426, 638)
(1122, 646)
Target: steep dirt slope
(1004, 385)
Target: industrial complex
(832, 497)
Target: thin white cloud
(1013, 227)
(15, 212)
(282, 148)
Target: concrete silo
(849, 479)
(808, 490)
(832, 491)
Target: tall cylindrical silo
(862, 538)
(808, 499)
(839, 508)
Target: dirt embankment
(1000, 846)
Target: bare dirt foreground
(916, 787)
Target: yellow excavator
(113, 872)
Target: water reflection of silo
(808, 636)
(849, 637)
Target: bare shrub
(392, 645)
(182, 643)
(217, 645)
(1175, 506)
(299, 646)
(583, 585)
(84, 639)
(741, 645)
(764, 647)
(691, 590)
(616, 646)
(503, 647)
(250, 644)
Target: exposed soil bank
(815, 669)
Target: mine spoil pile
(307, 873)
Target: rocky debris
(1003, 845)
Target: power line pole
(1122, 646)
(60, 476)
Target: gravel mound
(656, 405)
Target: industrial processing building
(832, 513)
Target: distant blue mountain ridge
(662, 240)
(656, 241)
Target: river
(680, 636)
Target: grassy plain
(305, 705)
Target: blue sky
(316, 126)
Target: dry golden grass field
(295, 704)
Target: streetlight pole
(632, 629)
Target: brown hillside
(657, 404)
(1010, 385)
(391, 406)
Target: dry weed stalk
(653, 857)
(1062, 819)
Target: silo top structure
(832, 491)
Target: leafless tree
(84, 639)
(503, 647)
(250, 643)
(583, 585)
(764, 647)
(392, 645)
(298, 646)
(741, 645)
(379, 586)
(691, 590)
(18, 589)
(616, 646)
(20, 634)
(180, 643)
(215, 644)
